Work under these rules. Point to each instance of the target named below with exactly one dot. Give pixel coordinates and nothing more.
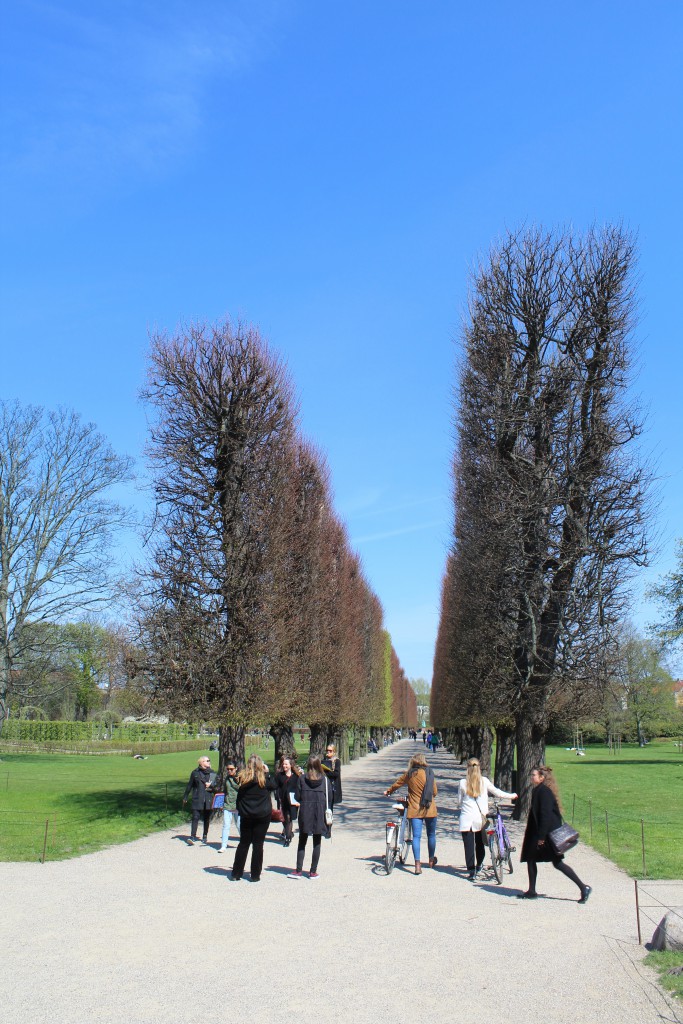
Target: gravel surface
(153, 932)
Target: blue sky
(330, 171)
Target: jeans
(252, 833)
(301, 851)
(417, 836)
(227, 822)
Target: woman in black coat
(314, 793)
(544, 816)
(254, 805)
(286, 780)
(332, 768)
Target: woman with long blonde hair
(253, 806)
(473, 794)
(544, 816)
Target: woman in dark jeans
(253, 806)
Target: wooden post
(47, 825)
(642, 839)
(609, 849)
(640, 940)
(573, 806)
(590, 815)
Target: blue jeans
(227, 821)
(417, 836)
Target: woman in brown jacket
(421, 805)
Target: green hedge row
(126, 732)
(104, 747)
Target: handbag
(563, 838)
(484, 819)
(329, 816)
(275, 813)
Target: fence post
(590, 814)
(642, 839)
(167, 797)
(635, 882)
(573, 806)
(609, 849)
(47, 825)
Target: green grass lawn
(663, 962)
(90, 802)
(639, 783)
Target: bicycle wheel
(391, 851)
(496, 859)
(507, 851)
(405, 845)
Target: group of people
(473, 793)
(309, 795)
(304, 795)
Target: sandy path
(152, 932)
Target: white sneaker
(221, 849)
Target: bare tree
(551, 499)
(57, 523)
(219, 452)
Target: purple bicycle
(499, 844)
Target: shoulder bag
(563, 838)
(329, 816)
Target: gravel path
(153, 933)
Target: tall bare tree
(57, 522)
(219, 452)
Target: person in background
(286, 780)
(314, 792)
(230, 805)
(202, 783)
(473, 794)
(332, 767)
(421, 806)
(544, 816)
(254, 807)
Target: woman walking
(473, 794)
(314, 793)
(254, 807)
(230, 805)
(544, 816)
(421, 806)
(286, 779)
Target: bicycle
(398, 837)
(499, 844)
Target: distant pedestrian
(544, 816)
(230, 806)
(202, 784)
(422, 790)
(314, 791)
(473, 794)
(254, 807)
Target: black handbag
(563, 838)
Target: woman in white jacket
(473, 794)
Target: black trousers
(203, 813)
(472, 840)
(301, 850)
(252, 833)
(559, 865)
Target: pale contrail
(396, 533)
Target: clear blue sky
(329, 171)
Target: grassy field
(637, 792)
(663, 962)
(90, 802)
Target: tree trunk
(530, 736)
(505, 757)
(230, 746)
(318, 739)
(283, 736)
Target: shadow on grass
(121, 803)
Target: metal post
(609, 849)
(590, 814)
(635, 883)
(573, 806)
(642, 839)
(47, 825)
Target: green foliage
(639, 784)
(669, 594)
(663, 961)
(132, 732)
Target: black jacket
(312, 806)
(201, 796)
(286, 784)
(544, 816)
(332, 768)
(254, 802)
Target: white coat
(470, 813)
